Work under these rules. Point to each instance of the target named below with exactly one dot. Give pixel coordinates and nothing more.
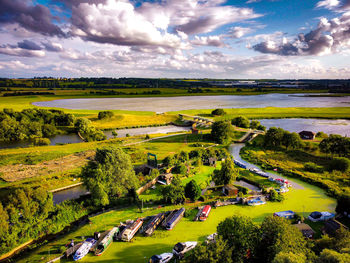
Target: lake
(165, 104)
(339, 126)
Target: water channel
(165, 104)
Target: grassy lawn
(303, 201)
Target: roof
(230, 187)
(307, 132)
(304, 227)
(332, 225)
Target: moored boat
(130, 231)
(205, 213)
(106, 241)
(84, 249)
(175, 219)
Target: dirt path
(17, 172)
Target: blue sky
(175, 38)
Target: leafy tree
(273, 137)
(241, 121)
(4, 225)
(105, 115)
(183, 157)
(340, 164)
(331, 256)
(335, 144)
(218, 112)
(274, 196)
(221, 132)
(174, 193)
(216, 252)
(192, 190)
(254, 124)
(321, 135)
(49, 130)
(291, 140)
(289, 257)
(343, 204)
(110, 174)
(278, 235)
(115, 134)
(169, 161)
(241, 235)
(42, 141)
(227, 174)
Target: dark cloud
(53, 47)
(27, 44)
(328, 37)
(35, 18)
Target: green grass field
(303, 201)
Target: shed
(331, 226)
(230, 190)
(306, 230)
(307, 135)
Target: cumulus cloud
(238, 32)
(329, 4)
(30, 45)
(215, 41)
(165, 23)
(25, 48)
(330, 36)
(35, 18)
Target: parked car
(162, 258)
(181, 248)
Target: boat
(162, 258)
(289, 214)
(169, 215)
(84, 249)
(320, 216)
(205, 213)
(240, 164)
(183, 247)
(175, 219)
(153, 224)
(106, 241)
(256, 201)
(130, 231)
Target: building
(306, 230)
(230, 190)
(331, 226)
(307, 135)
(165, 178)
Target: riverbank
(304, 200)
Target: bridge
(250, 135)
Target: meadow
(303, 201)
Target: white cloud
(215, 41)
(21, 52)
(329, 4)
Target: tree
(192, 190)
(105, 115)
(227, 174)
(109, 175)
(216, 252)
(218, 112)
(42, 141)
(254, 124)
(331, 256)
(221, 132)
(4, 224)
(278, 235)
(274, 196)
(340, 164)
(174, 193)
(291, 140)
(289, 257)
(273, 137)
(115, 134)
(241, 121)
(335, 144)
(241, 235)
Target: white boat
(162, 258)
(84, 249)
(256, 202)
(183, 247)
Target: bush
(312, 167)
(340, 164)
(241, 121)
(105, 115)
(218, 112)
(42, 141)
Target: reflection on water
(164, 104)
(68, 194)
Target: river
(68, 194)
(165, 104)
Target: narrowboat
(169, 215)
(153, 224)
(175, 219)
(130, 231)
(240, 164)
(181, 248)
(106, 241)
(84, 249)
(162, 258)
(205, 213)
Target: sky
(234, 39)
